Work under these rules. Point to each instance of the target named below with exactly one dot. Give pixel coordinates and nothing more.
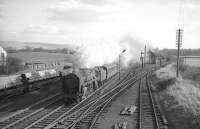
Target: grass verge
(179, 98)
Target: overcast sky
(77, 21)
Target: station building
(155, 58)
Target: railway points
(55, 113)
(23, 102)
(33, 115)
(20, 115)
(72, 120)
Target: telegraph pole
(119, 66)
(145, 55)
(179, 36)
(141, 58)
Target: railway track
(21, 115)
(58, 114)
(149, 116)
(5, 105)
(65, 109)
(40, 114)
(74, 119)
(55, 115)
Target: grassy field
(47, 57)
(179, 97)
(39, 56)
(191, 73)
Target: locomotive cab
(71, 87)
(78, 85)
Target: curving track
(20, 116)
(44, 112)
(66, 109)
(78, 119)
(47, 113)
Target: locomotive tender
(79, 84)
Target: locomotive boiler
(79, 84)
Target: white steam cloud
(94, 53)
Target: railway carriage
(111, 70)
(100, 74)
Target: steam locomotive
(79, 84)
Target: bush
(13, 65)
(163, 84)
(183, 68)
(192, 73)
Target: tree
(13, 65)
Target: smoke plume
(94, 53)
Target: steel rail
(140, 105)
(50, 118)
(24, 112)
(114, 95)
(153, 105)
(150, 107)
(46, 119)
(102, 107)
(98, 115)
(103, 98)
(5, 105)
(39, 111)
(97, 109)
(100, 112)
(78, 106)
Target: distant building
(151, 57)
(155, 58)
(192, 61)
(3, 56)
(38, 65)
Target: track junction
(53, 113)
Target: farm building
(192, 61)
(37, 65)
(3, 56)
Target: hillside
(21, 45)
